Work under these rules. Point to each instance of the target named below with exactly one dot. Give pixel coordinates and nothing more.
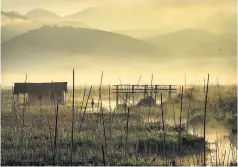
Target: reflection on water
(222, 144)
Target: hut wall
(43, 99)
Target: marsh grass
(142, 141)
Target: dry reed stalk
(24, 107)
(81, 108)
(189, 104)
(224, 155)
(150, 96)
(180, 122)
(127, 131)
(103, 156)
(162, 111)
(56, 134)
(111, 120)
(204, 123)
(81, 123)
(174, 113)
(102, 114)
(72, 127)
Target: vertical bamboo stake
(109, 97)
(155, 94)
(162, 111)
(103, 156)
(151, 85)
(117, 96)
(181, 109)
(151, 97)
(180, 122)
(81, 108)
(56, 134)
(111, 120)
(24, 107)
(102, 116)
(72, 130)
(218, 88)
(189, 104)
(205, 114)
(127, 131)
(185, 82)
(145, 92)
(81, 123)
(133, 95)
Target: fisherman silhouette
(92, 103)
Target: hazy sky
(64, 7)
(170, 14)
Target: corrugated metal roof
(40, 88)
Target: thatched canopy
(148, 101)
(40, 88)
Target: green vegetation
(139, 143)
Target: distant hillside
(12, 30)
(53, 41)
(12, 18)
(192, 43)
(14, 24)
(78, 40)
(13, 15)
(224, 23)
(42, 15)
(66, 23)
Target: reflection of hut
(42, 93)
(148, 101)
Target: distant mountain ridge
(196, 43)
(13, 15)
(78, 39)
(58, 45)
(42, 15)
(14, 24)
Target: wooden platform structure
(146, 90)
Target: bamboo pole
(180, 122)
(162, 112)
(189, 105)
(24, 107)
(117, 96)
(103, 156)
(81, 108)
(56, 134)
(81, 123)
(205, 114)
(111, 120)
(102, 116)
(72, 130)
(127, 131)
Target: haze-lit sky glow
(64, 7)
(157, 17)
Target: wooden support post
(145, 92)
(155, 93)
(170, 90)
(117, 96)
(133, 95)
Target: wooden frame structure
(146, 90)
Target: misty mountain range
(40, 34)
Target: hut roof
(39, 88)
